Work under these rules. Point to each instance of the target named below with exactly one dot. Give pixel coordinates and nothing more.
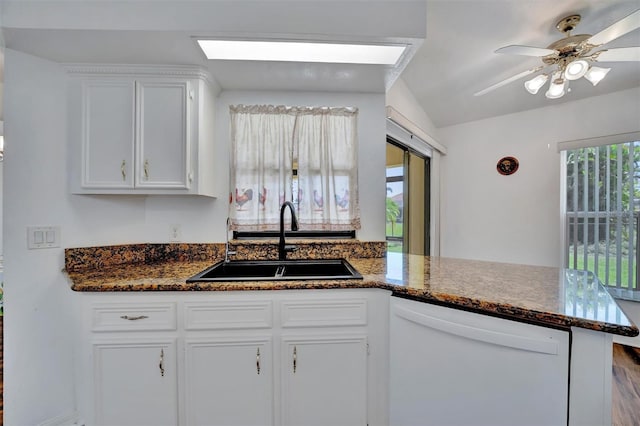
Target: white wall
(402, 100)
(400, 97)
(38, 302)
(38, 364)
(1, 220)
(516, 218)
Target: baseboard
(68, 419)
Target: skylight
(241, 50)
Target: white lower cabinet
(247, 358)
(229, 381)
(324, 380)
(331, 358)
(135, 381)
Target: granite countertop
(545, 296)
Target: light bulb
(595, 74)
(557, 86)
(535, 83)
(576, 69)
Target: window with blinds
(602, 213)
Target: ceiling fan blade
(526, 50)
(621, 54)
(618, 29)
(508, 80)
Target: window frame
(311, 234)
(294, 177)
(407, 152)
(582, 221)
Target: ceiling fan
(572, 57)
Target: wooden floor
(626, 386)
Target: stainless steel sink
(278, 270)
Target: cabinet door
(229, 381)
(107, 134)
(135, 382)
(162, 155)
(324, 380)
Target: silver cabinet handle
(161, 365)
(295, 359)
(139, 317)
(146, 169)
(258, 361)
(123, 170)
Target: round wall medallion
(507, 165)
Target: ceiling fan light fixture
(595, 74)
(576, 69)
(557, 86)
(535, 83)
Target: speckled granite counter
(545, 296)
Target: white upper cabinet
(141, 131)
(162, 114)
(108, 125)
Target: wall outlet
(175, 233)
(39, 237)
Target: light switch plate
(39, 237)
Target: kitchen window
(603, 213)
(300, 154)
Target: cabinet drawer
(324, 313)
(133, 316)
(228, 315)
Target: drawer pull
(161, 365)
(295, 359)
(139, 317)
(258, 361)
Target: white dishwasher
(452, 367)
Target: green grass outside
(602, 272)
(394, 247)
(397, 230)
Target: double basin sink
(278, 270)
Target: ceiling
(164, 32)
(455, 60)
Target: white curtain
(269, 142)
(261, 165)
(326, 142)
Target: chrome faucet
(283, 249)
(227, 252)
